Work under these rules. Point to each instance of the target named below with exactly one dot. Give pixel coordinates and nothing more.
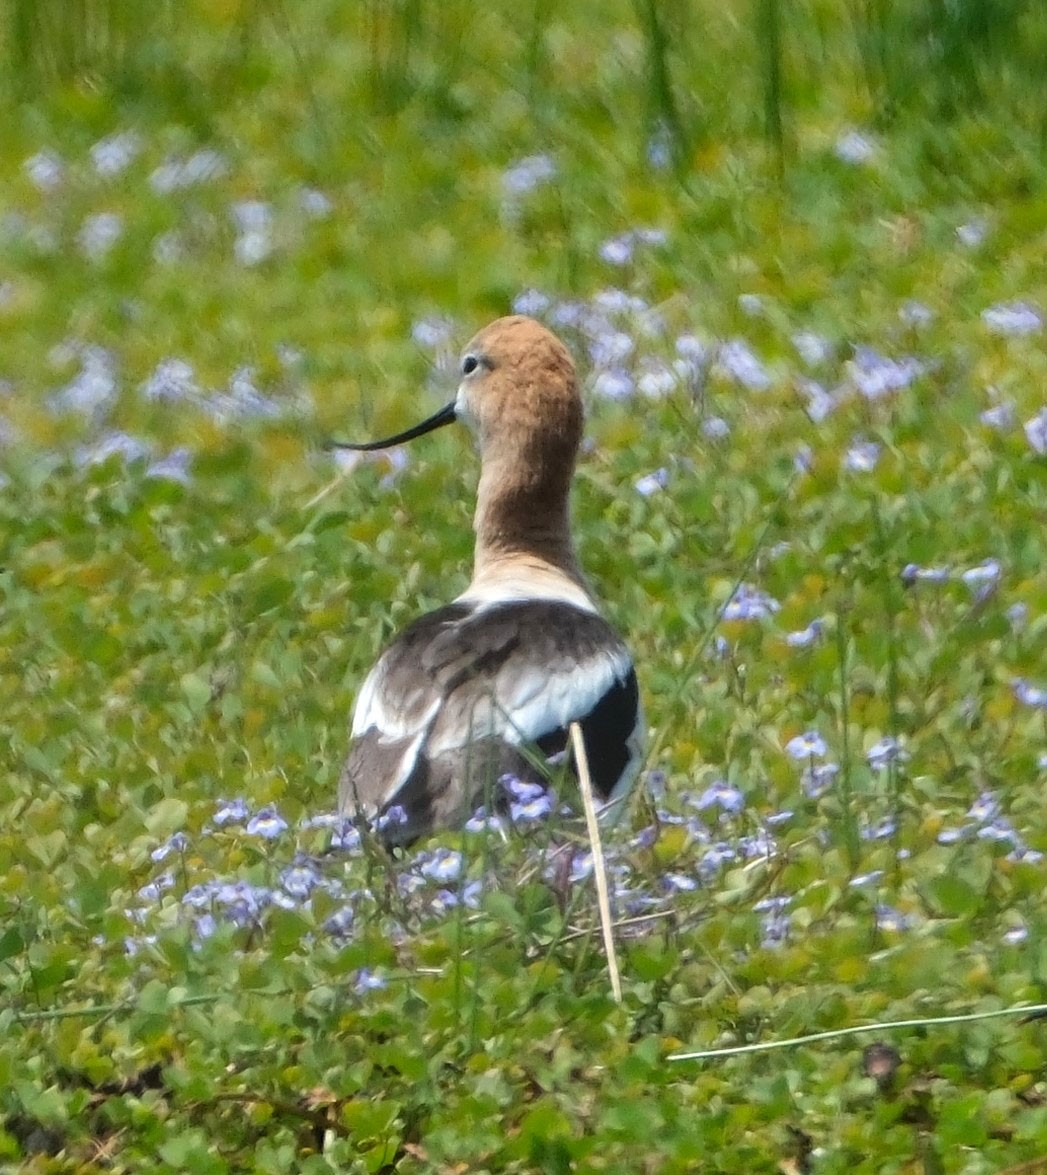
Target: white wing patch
(484, 671)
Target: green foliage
(839, 646)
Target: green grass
(165, 645)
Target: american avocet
(488, 685)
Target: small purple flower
(817, 779)
(715, 428)
(805, 637)
(618, 250)
(880, 830)
(862, 457)
(442, 865)
(528, 811)
(820, 403)
(660, 147)
(113, 444)
(609, 349)
(154, 889)
(885, 751)
(739, 362)
(1030, 695)
(912, 573)
(750, 603)
(809, 745)
(1036, 432)
(857, 148)
(777, 818)
(1016, 935)
(1000, 416)
(715, 857)
(45, 170)
(651, 483)
(480, 821)
(760, 844)
(533, 303)
(367, 980)
(951, 836)
(301, 879)
(874, 375)
(93, 390)
(776, 920)
(691, 347)
(527, 174)
(201, 167)
(915, 314)
(891, 920)
(176, 844)
(972, 234)
(173, 467)
(172, 380)
(1013, 319)
(267, 823)
(656, 380)
(433, 333)
(813, 349)
(616, 384)
(581, 866)
(721, 795)
(204, 927)
(393, 817)
(340, 923)
(98, 234)
(982, 577)
(231, 812)
(679, 882)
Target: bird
(483, 691)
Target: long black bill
(438, 420)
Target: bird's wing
(515, 671)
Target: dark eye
(469, 364)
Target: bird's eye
(469, 364)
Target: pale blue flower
(715, 428)
(231, 812)
(531, 302)
(527, 174)
(972, 234)
(98, 234)
(175, 844)
(737, 359)
(1013, 318)
(442, 865)
(818, 778)
(813, 349)
(805, 637)
(891, 920)
(750, 603)
(616, 384)
(856, 148)
(1029, 694)
(1036, 432)
(172, 380)
(809, 745)
(862, 456)
(45, 170)
(885, 751)
(267, 823)
(721, 795)
(874, 375)
(651, 483)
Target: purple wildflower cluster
(986, 820)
